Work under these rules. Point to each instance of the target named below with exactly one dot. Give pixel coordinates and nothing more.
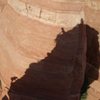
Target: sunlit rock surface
(28, 30)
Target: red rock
(27, 35)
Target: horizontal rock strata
(27, 25)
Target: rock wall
(25, 26)
(92, 15)
(49, 15)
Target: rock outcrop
(28, 30)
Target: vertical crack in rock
(26, 6)
(40, 13)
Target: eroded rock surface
(28, 30)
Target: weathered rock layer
(28, 30)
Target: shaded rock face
(60, 75)
(22, 42)
(92, 54)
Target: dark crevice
(92, 68)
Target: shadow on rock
(93, 56)
(61, 74)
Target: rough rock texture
(28, 30)
(53, 77)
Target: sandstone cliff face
(28, 30)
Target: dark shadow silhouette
(5, 98)
(92, 68)
(61, 74)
